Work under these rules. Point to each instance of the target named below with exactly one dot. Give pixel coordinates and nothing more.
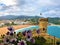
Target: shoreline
(53, 25)
(4, 30)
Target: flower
(13, 40)
(29, 34)
(24, 33)
(32, 40)
(29, 31)
(28, 37)
(11, 34)
(5, 39)
(10, 28)
(22, 42)
(38, 31)
(7, 33)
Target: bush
(38, 41)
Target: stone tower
(43, 23)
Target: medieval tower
(43, 23)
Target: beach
(4, 30)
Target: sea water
(51, 30)
(54, 31)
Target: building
(20, 22)
(2, 24)
(43, 23)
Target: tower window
(43, 29)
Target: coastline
(4, 30)
(54, 25)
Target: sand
(4, 30)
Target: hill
(54, 20)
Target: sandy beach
(4, 30)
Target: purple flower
(7, 40)
(29, 31)
(11, 34)
(10, 28)
(24, 33)
(28, 37)
(7, 33)
(29, 34)
(38, 31)
(13, 40)
(22, 42)
(32, 40)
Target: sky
(48, 8)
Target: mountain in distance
(54, 20)
(10, 17)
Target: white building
(1, 24)
(20, 22)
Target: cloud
(30, 7)
(8, 2)
(52, 13)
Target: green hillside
(54, 20)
